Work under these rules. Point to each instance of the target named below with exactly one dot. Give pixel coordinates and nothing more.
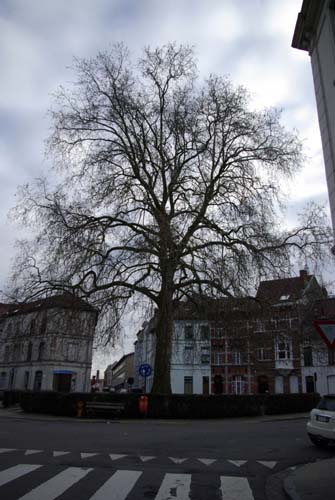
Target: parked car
(321, 425)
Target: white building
(315, 33)
(190, 360)
(47, 344)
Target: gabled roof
(324, 308)
(57, 301)
(281, 290)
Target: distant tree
(169, 186)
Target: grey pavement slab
(314, 481)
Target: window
(188, 354)
(188, 385)
(331, 357)
(205, 385)
(283, 351)
(218, 357)
(41, 349)
(218, 333)
(310, 384)
(17, 352)
(237, 384)
(26, 381)
(7, 354)
(204, 332)
(308, 356)
(188, 330)
(236, 358)
(38, 380)
(72, 351)
(264, 354)
(3, 380)
(29, 352)
(205, 357)
(33, 327)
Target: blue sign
(145, 370)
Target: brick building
(250, 345)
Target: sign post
(326, 329)
(145, 371)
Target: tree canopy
(169, 186)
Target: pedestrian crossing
(84, 456)
(117, 486)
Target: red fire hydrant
(143, 405)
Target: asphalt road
(154, 460)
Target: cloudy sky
(249, 40)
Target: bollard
(80, 407)
(143, 405)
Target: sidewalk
(16, 412)
(313, 481)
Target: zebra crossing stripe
(6, 450)
(8, 475)
(144, 458)
(115, 456)
(238, 463)
(56, 486)
(207, 461)
(32, 452)
(266, 463)
(177, 460)
(87, 455)
(175, 487)
(235, 488)
(118, 486)
(60, 453)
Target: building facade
(315, 33)
(249, 346)
(116, 376)
(47, 345)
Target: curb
(290, 489)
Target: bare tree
(169, 186)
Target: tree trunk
(164, 327)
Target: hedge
(174, 406)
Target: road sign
(145, 370)
(326, 329)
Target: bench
(93, 407)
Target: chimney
(304, 276)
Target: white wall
(323, 67)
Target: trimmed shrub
(11, 398)
(174, 406)
(280, 404)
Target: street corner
(314, 480)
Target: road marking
(56, 486)
(12, 473)
(268, 464)
(118, 486)
(177, 460)
(238, 463)
(235, 488)
(60, 453)
(175, 487)
(207, 461)
(116, 456)
(87, 455)
(145, 458)
(32, 452)
(6, 450)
